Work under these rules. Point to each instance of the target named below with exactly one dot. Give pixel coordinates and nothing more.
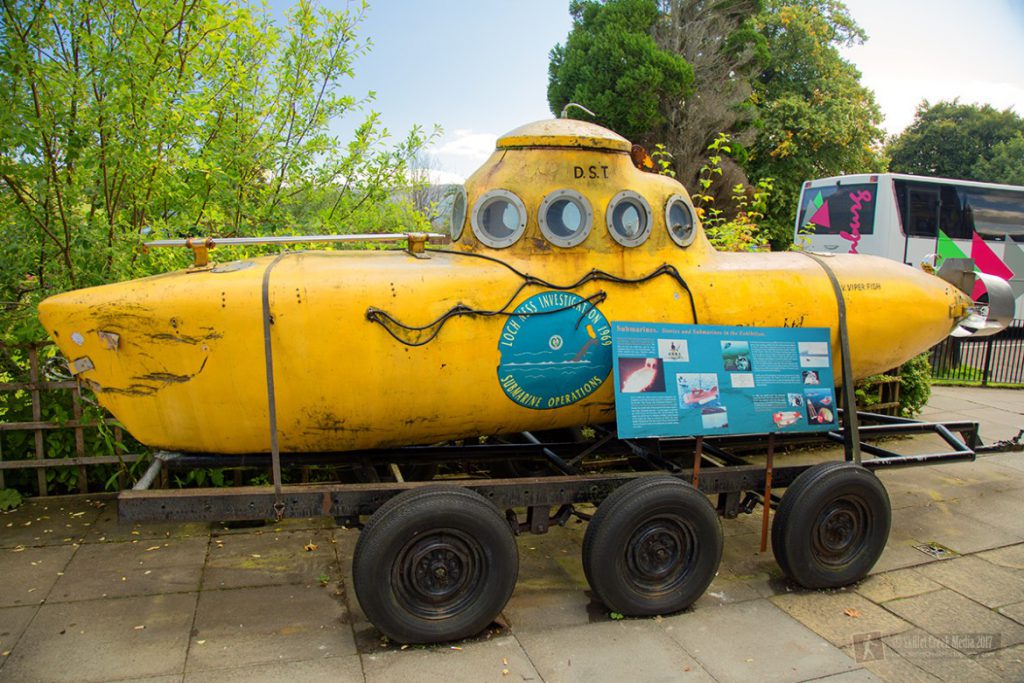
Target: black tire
(653, 547)
(831, 526)
(434, 564)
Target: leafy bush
(122, 125)
(915, 386)
(740, 233)
(867, 390)
(9, 499)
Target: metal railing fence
(998, 359)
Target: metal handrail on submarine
(201, 246)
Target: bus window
(951, 213)
(922, 211)
(834, 209)
(994, 214)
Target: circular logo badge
(556, 351)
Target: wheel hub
(659, 553)
(438, 574)
(438, 570)
(841, 531)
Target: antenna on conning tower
(565, 110)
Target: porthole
(499, 218)
(679, 219)
(565, 218)
(458, 218)
(629, 218)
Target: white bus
(908, 218)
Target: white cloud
(467, 143)
(899, 97)
(464, 150)
(436, 176)
(939, 50)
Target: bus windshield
(838, 209)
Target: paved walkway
(84, 598)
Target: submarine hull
(180, 359)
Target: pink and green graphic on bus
(847, 211)
(985, 260)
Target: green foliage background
(966, 141)
(123, 122)
(611, 64)
(803, 113)
(769, 75)
(815, 118)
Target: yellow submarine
(505, 330)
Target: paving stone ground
(87, 599)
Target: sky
(938, 50)
(478, 68)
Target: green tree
(1004, 164)
(611, 65)
(815, 118)
(170, 118)
(950, 139)
(721, 43)
(767, 72)
(670, 72)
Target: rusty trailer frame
(716, 467)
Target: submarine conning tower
(554, 185)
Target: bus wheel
(831, 526)
(434, 564)
(653, 547)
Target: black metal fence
(998, 359)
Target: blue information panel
(688, 380)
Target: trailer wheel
(434, 564)
(653, 547)
(831, 526)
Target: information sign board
(688, 380)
